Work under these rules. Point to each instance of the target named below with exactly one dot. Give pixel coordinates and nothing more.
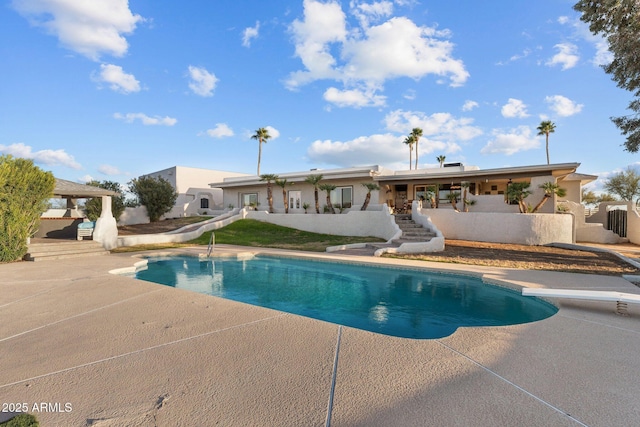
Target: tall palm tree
(262, 135)
(546, 127)
(283, 183)
(410, 141)
(370, 186)
(314, 180)
(550, 189)
(269, 177)
(328, 188)
(416, 133)
(441, 159)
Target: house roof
(73, 190)
(442, 175)
(346, 173)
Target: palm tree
(441, 159)
(546, 127)
(314, 180)
(370, 186)
(269, 177)
(283, 183)
(453, 198)
(519, 191)
(328, 188)
(262, 135)
(465, 203)
(416, 133)
(410, 141)
(550, 189)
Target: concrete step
(64, 249)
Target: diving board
(621, 298)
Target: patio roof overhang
(558, 170)
(72, 190)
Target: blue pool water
(399, 302)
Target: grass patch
(249, 232)
(22, 420)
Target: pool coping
(271, 369)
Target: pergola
(72, 191)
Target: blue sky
(111, 89)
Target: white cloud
(146, 120)
(602, 54)
(563, 106)
(369, 55)
(514, 108)
(353, 98)
(438, 126)
(85, 179)
(109, 170)
(368, 12)
(202, 82)
(118, 80)
(91, 28)
(273, 132)
(566, 56)
(250, 33)
(469, 105)
(511, 142)
(45, 157)
(220, 131)
(365, 150)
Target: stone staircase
(59, 249)
(411, 232)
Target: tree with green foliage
(315, 181)
(518, 191)
(93, 206)
(453, 199)
(588, 197)
(156, 194)
(410, 140)
(283, 184)
(550, 189)
(545, 128)
(25, 190)
(262, 135)
(441, 160)
(625, 185)
(269, 178)
(370, 186)
(416, 133)
(618, 21)
(328, 188)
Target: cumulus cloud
(146, 120)
(371, 54)
(250, 33)
(44, 157)
(514, 108)
(581, 30)
(511, 141)
(354, 98)
(220, 131)
(438, 126)
(273, 132)
(90, 28)
(563, 106)
(202, 82)
(567, 56)
(117, 79)
(109, 170)
(469, 105)
(364, 150)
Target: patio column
(106, 229)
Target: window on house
(204, 203)
(342, 196)
(249, 199)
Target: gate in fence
(617, 222)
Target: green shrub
(22, 420)
(93, 207)
(25, 190)
(156, 194)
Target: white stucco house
(195, 196)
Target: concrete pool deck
(88, 348)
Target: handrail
(212, 242)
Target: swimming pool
(400, 302)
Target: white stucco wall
(131, 216)
(377, 223)
(633, 224)
(589, 232)
(524, 229)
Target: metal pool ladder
(212, 242)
